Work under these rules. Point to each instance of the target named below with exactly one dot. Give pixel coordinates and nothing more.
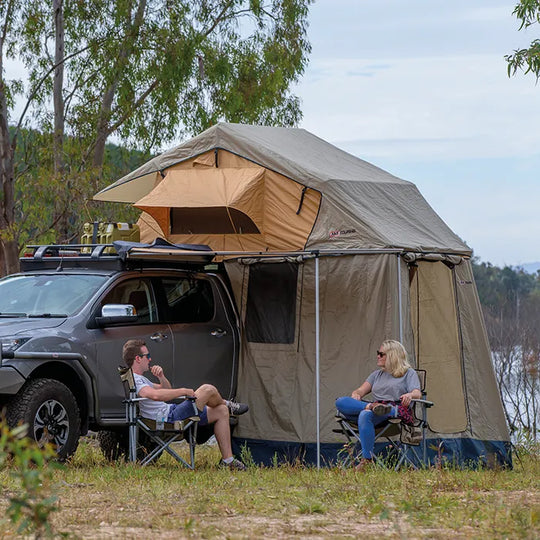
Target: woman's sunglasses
(381, 354)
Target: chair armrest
(181, 399)
(424, 402)
(134, 400)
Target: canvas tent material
(388, 267)
(363, 206)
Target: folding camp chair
(404, 439)
(161, 435)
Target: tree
(527, 60)
(511, 304)
(8, 240)
(148, 72)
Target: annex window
(188, 300)
(271, 303)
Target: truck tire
(115, 445)
(51, 413)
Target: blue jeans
(367, 420)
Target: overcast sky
(420, 88)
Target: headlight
(11, 344)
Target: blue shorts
(181, 411)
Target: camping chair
(161, 435)
(402, 438)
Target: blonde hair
(397, 363)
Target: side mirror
(112, 314)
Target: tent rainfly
(333, 255)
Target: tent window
(271, 303)
(211, 220)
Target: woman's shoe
(380, 409)
(364, 464)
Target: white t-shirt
(149, 408)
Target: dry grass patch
(100, 500)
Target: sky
(420, 89)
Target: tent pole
(400, 307)
(317, 361)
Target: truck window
(138, 293)
(188, 300)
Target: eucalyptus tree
(148, 72)
(527, 59)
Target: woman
(393, 386)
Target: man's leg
(218, 414)
(209, 395)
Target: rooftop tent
(358, 252)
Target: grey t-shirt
(385, 387)
(150, 408)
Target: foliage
(41, 196)
(147, 72)
(527, 60)
(511, 304)
(31, 507)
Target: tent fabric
(283, 211)
(241, 189)
(302, 193)
(364, 206)
(271, 373)
(437, 342)
(456, 451)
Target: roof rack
(92, 251)
(106, 257)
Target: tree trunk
(62, 212)
(58, 88)
(9, 253)
(103, 129)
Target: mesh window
(212, 220)
(271, 303)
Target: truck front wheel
(50, 411)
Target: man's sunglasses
(147, 356)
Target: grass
(100, 500)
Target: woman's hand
(406, 399)
(356, 395)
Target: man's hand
(157, 371)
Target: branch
(38, 86)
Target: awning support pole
(400, 307)
(317, 361)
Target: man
(213, 409)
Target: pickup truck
(65, 317)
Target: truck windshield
(46, 295)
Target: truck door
(203, 330)
(109, 342)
